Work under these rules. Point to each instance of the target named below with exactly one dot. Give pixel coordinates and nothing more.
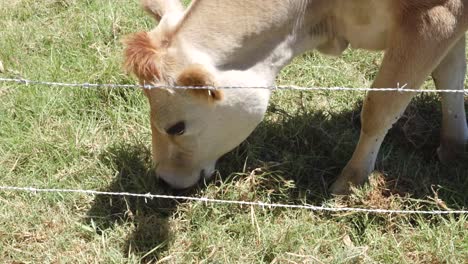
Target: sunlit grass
(100, 139)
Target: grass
(100, 139)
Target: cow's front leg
(406, 62)
(450, 74)
(380, 112)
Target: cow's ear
(141, 57)
(159, 8)
(197, 76)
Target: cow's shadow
(311, 147)
(308, 148)
(149, 218)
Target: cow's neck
(255, 36)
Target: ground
(100, 139)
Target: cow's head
(191, 129)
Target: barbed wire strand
(403, 88)
(234, 202)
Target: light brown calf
(247, 42)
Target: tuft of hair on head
(197, 76)
(141, 56)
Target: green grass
(100, 139)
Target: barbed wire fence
(150, 196)
(401, 89)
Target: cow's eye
(177, 129)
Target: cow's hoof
(348, 178)
(340, 188)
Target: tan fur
(421, 35)
(146, 57)
(141, 57)
(196, 75)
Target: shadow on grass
(152, 235)
(311, 147)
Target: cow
(247, 43)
